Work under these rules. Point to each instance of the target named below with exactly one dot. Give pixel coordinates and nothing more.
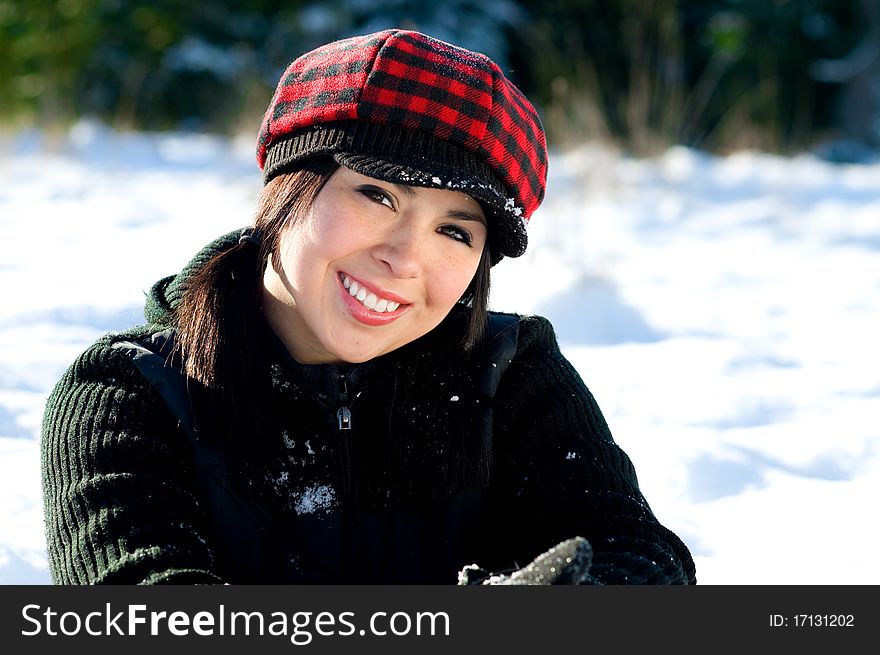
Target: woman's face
(408, 254)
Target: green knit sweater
(123, 503)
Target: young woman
(323, 397)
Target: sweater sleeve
(561, 474)
(117, 496)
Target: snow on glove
(566, 563)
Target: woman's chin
(359, 355)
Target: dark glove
(566, 563)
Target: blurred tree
(173, 62)
(855, 69)
(150, 65)
(169, 63)
(716, 74)
(606, 70)
(43, 46)
(752, 61)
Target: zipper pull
(344, 417)
(344, 413)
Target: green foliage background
(716, 74)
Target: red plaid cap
(407, 108)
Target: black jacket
(136, 491)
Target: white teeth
(370, 300)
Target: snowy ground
(723, 311)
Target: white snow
(723, 311)
(316, 498)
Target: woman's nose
(403, 250)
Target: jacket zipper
(344, 418)
(349, 500)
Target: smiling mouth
(367, 298)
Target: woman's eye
(377, 196)
(457, 233)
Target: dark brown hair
(219, 319)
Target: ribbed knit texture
(118, 500)
(121, 504)
(563, 467)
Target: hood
(164, 296)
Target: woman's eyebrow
(406, 189)
(461, 214)
(466, 216)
